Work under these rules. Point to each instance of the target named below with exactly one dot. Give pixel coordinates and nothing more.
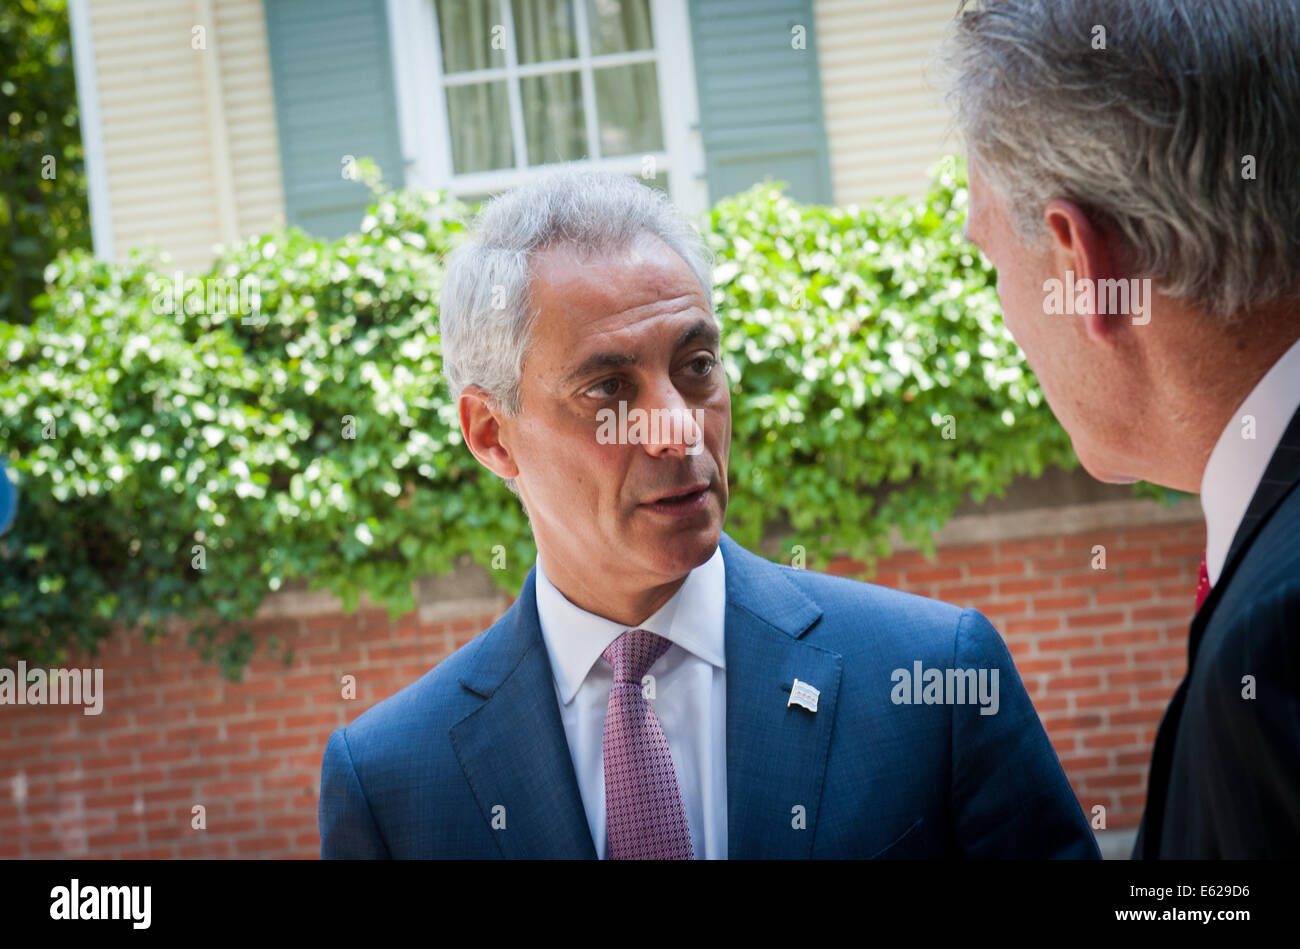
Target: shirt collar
(693, 618)
(1237, 464)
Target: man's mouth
(689, 501)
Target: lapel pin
(803, 694)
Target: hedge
(186, 464)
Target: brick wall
(1101, 651)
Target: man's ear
(1077, 245)
(480, 422)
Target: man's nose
(673, 428)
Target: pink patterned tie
(644, 815)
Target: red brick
(1067, 643)
(1079, 561)
(1046, 604)
(222, 709)
(1126, 758)
(279, 703)
(1090, 580)
(1162, 694)
(1038, 624)
(1074, 764)
(1162, 612)
(1121, 780)
(282, 742)
(1133, 676)
(1035, 666)
(263, 845)
(164, 755)
(132, 740)
(1113, 699)
(933, 575)
(1139, 574)
(196, 772)
(998, 568)
(1071, 723)
(1092, 660)
(1032, 547)
(1130, 636)
(312, 720)
(1073, 683)
(1156, 655)
(1110, 740)
(113, 839)
(1051, 703)
(1116, 555)
(1033, 585)
(1137, 716)
(964, 594)
(1094, 619)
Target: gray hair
(1153, 133)
(485, 312)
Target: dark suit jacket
(423, 773)
(1225, 772)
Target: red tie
(1202, 585)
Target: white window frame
(422, 106)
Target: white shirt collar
(693, 618)
(1237, 464)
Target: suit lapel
(776, 753)
(513, 749)
(1280, 477)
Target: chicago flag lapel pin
(803, 694)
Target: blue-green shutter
(331, 68)
(760, 99)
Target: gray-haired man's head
(1133, 178)
(1174, 122)
(580, 303)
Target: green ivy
(851, 337)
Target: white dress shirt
(1237, 464)
(690, 696)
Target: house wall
(1100, 651)
(189, 141)
(886, 123)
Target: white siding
(163, 141)
(886, 123)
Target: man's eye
(703, 365)
(603, 389)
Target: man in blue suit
(1159, 173)
(656, 691)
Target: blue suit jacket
(422, 773)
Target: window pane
(465, 34)
(619, 25)
(544, 30)
(554, 120)
(627, 104)
(479, 117)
